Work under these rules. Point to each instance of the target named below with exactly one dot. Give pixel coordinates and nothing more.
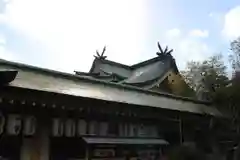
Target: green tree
(235, 56)
(228, 98)
(210, 74)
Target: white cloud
(3, 53)
(199, 33)
(173, 33)
(211, 14)
(73, 29)
(2, 5)
(6, 55)
(231, 28)
(2, 40)
(188, 47)
(2, 44)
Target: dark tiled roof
(148, 73)
(137, 74)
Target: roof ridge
(117, 63)
(134, 66)
(146, 62)
(106, 61)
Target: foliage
(225, 93)
(235, 56)
(228, 98)
(210, 74)
(191, 72)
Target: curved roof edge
(111, 84)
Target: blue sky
(64, 34)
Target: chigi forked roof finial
(165, 51)
(101, 56)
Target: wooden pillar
(45, 144)
(26, 149)
(180, 131)
(87, 153)
(36, 147)
(236, 152)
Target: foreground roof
(40, 79)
